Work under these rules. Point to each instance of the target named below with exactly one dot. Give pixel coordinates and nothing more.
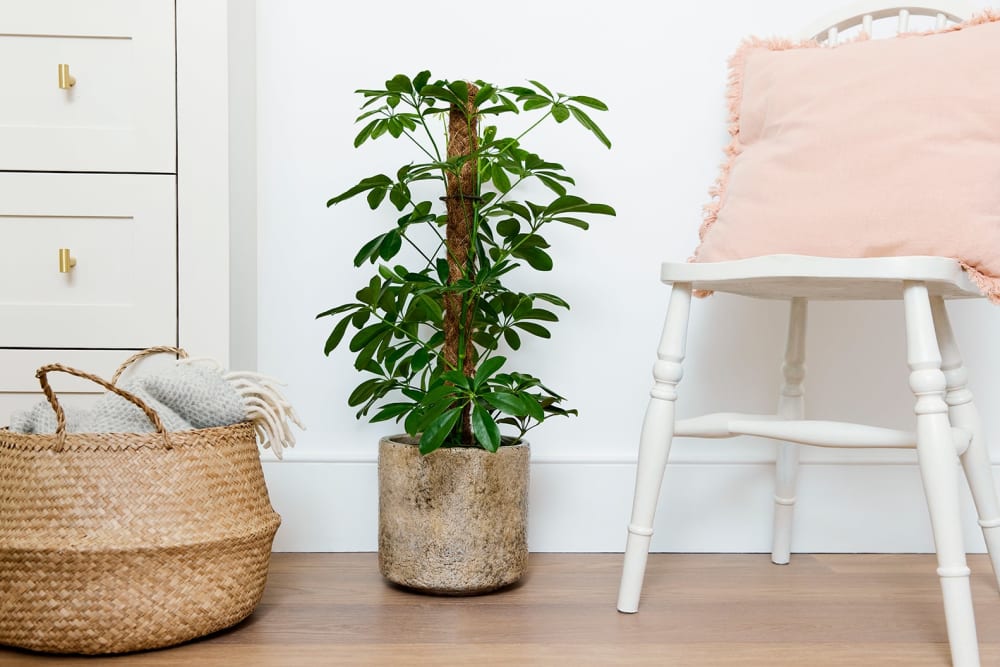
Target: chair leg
(963, 414)
(791, 405)
(936, 453)
(654, 445)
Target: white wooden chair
(947, 424)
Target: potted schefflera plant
(435, 323)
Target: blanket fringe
(268, 410)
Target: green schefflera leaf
(591, 102)
(420, 80)
(434, 435)
(460, 90)
(512, 339)
(360, 318)
(375, 197)
(508, 227)
(420, 359)
(363, 392)
(534, 329)
(369, 251)
(540, 87)
(457, 378)
(506, 402)
(365, 133)
(399, 84)
(533, 407)
(551, 298)
(390, 245)
(339, 309)
(500, 179)
(392, 410)
(541, 314)
(367, 335)
(588, 123)
(485, 430)
(336, 335)
(486, 91)
(536, 257)
(366, 184)
(487, 369)
(536, 103)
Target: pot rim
(405, 439)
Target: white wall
(663, 77)
(243, 184)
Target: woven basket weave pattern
(120, 542)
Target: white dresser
(114, 185)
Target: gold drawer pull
(66, 81)
(66, 261)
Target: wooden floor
(858, 610)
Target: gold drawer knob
(66, 81)
(66, 261)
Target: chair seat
(788, 276)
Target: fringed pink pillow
(873, 148)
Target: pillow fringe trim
(987, 284)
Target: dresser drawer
(120, 229)
(119, 114)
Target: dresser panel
(118, 115)
(121, 231)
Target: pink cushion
(873, 148)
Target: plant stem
(418, 144)
(416, 107)
(401, 330)
(501, 196)
(507, 252)
(534, 125)
(416, 247)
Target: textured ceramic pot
(453, 522)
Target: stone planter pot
(453, 522)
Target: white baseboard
(584, 507)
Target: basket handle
(160, 349)
(42, 375)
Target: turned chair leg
(963, 414)
(791, 405)
(654, 445)
(938, 458)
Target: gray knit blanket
(196, 393)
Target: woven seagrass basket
(116, 542)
